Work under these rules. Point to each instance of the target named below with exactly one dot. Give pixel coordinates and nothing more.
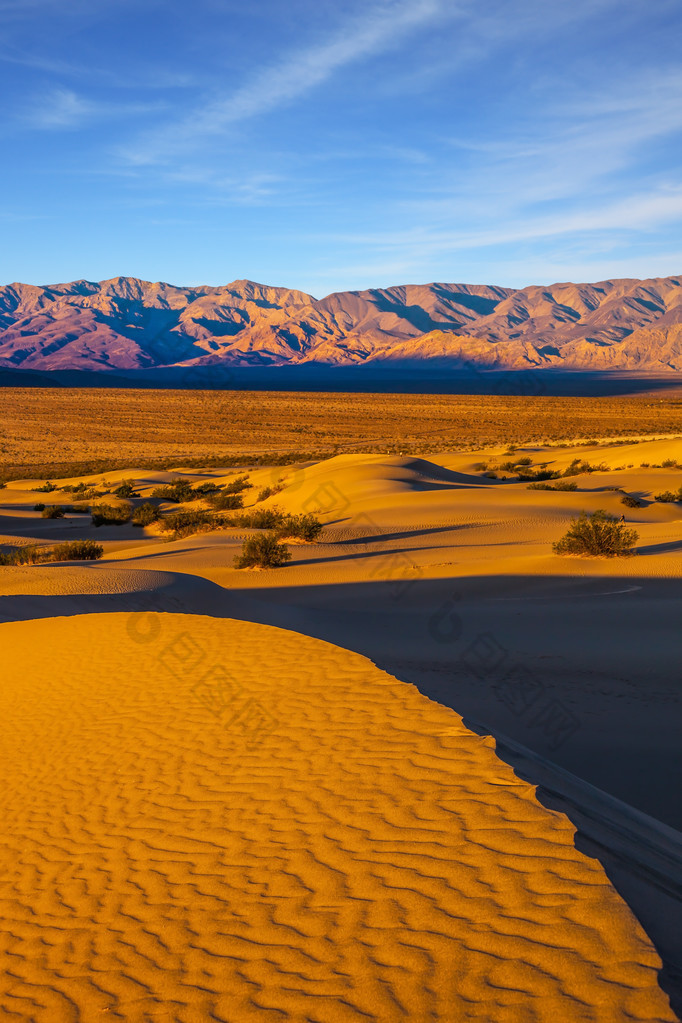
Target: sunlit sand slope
(212, 820)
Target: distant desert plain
(427, 769)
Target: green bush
(110, 514)
(29, 555)
(597, 535)
(578, 467)
(236, 486)
(268, 492)
(540, 474)
(53, 511)
(223, 501)
(300, 527)
(179, 491)
(630, 502)
(204, 489)
(560, 485)
(125, 488)
(263, 551)
(186, 522)
(260, 518)
(145, 514)
(76, 550)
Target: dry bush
(597, 535)
(264, 551)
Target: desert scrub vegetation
(306, 528)
(188, 521)
(110, 514)
(223, 501)
(559, 485)
(260, 518)
(237, 486)
(126, 488)
(75, 550)
(179, 491)
(269, 492)
(145, 514)
(578, 467)
(597, 535)
(264, 551)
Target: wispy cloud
(62, 109)
(297, 74)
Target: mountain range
(131, 327)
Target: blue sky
(340, 145)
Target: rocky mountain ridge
(128, 326)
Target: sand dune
(193, 873)
(213, 820)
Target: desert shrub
(186, 522)
(236, 486)
(179, 491)
(300, 527)
(46, 488)
(268, 492)
(578, 467)
(597, 535)
(263, 551)
(222, 501)
(204, 489)
(38, 507)
(29, 555)
(110, 514)
(76, 550)
(145, 514)
(560, 485)
(125, 488)
(539, 475)
(630, 502)
(667, 497)
(53, 511)
(260, 518)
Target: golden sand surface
(214, 820)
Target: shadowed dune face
(212, 819)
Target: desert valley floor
(348, 788)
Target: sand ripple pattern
(212, 820)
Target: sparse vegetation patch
(597, 535)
